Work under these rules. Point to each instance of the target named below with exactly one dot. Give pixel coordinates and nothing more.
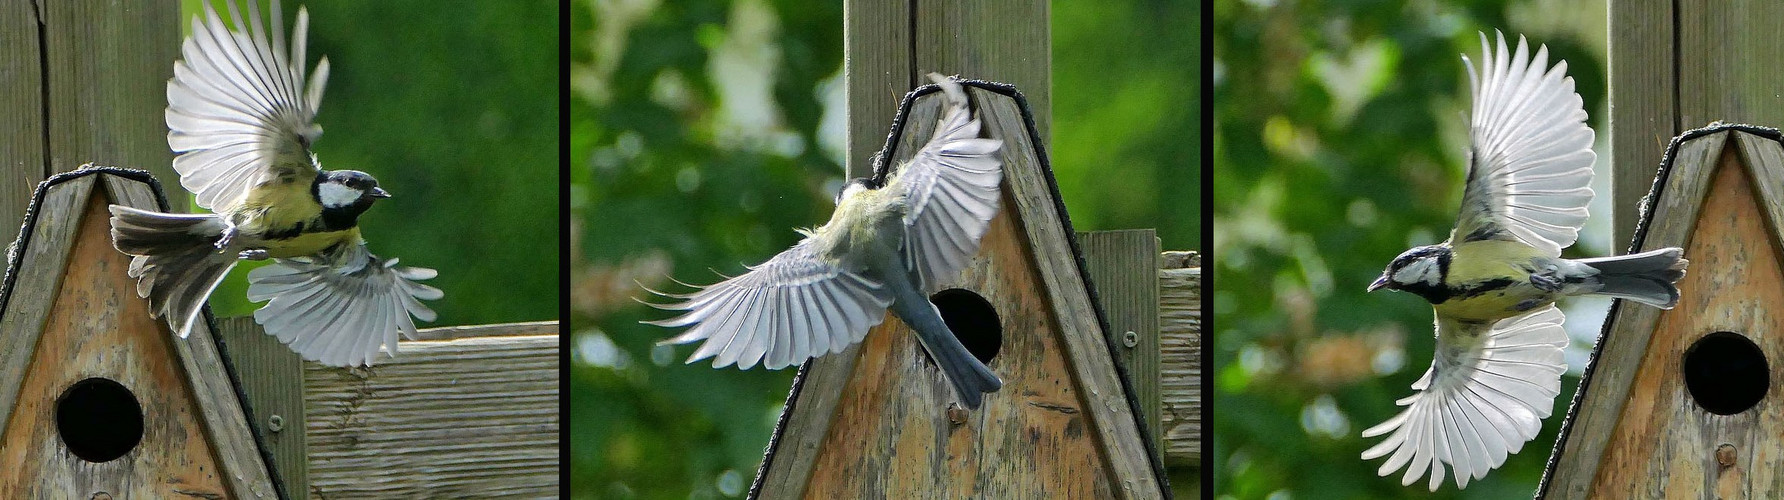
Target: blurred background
(1339, 141)
(453, 106)
(703, 131)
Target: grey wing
(1530, 152)
(1484, 396)
(239, 110)
(951, 187)
(793, 307)
(341, 309)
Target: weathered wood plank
(1729, 65)
(1123, 266)
(1675, 217)
(1007, 41)
(97, 327)
(21, 113)
(437, 422)
(878, 70)
(1665, 444)
(272, 380)
(238, 453)
(1180, 359)
(493, 330)
(107, 66)
(1643, 105)
(39, 271)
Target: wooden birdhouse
(1683, 403)
(97, 399)
(877, 420)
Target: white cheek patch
(336, 195)
(1419, 270)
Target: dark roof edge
(1642, 224)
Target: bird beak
(1379, 283)
(379, 192)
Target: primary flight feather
(240, 114)
(884, 247)
(1493, 284)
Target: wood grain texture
(107, 64)
(213, 388)
(1626, 343)
(272, 380)
(1061, 425)
(549, 327)
(878, 70)
(474, 417)
(1665, 443)
(39, 277)
(1643, 105)
(1007, 41)
(99, 328)
(1180, 363)
(1729, 65)
(21, 113)
(1123, 265)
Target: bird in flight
(240, 115)
(886, 246)
(1494, 283)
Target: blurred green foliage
(453, 106)
(1340, 132)
(699, 140)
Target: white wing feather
(951, 186)
(793, 307)
(239, 110)
(340, 310)
(1484, 396)
(1530, 153)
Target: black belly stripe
(287, 233)
(1481, 288)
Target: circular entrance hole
(98, 419)
(1726, 373)
(973, 321)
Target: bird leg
(254, 254)
(229, 232)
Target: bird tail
(970, 378)
(175, 259)
(1646, 277)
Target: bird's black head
(344, 194)
(1417, 270)
(855, 185)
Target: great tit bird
(1493, 284)
(885, 246)
(240, 117)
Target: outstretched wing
(239, 111)
(951, 186)
(1484, 396)
(340, 309)
(793, 307)
(1530, 152)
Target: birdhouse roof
(1593, 379)
(882, 164)
(67, 218)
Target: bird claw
(227, 237)
(254, 254)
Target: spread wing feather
(793, 307)
(951, 186)
(1530, 152)
(340, 309)
(240, 111)
(1484, 396)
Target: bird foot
(227, 237)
